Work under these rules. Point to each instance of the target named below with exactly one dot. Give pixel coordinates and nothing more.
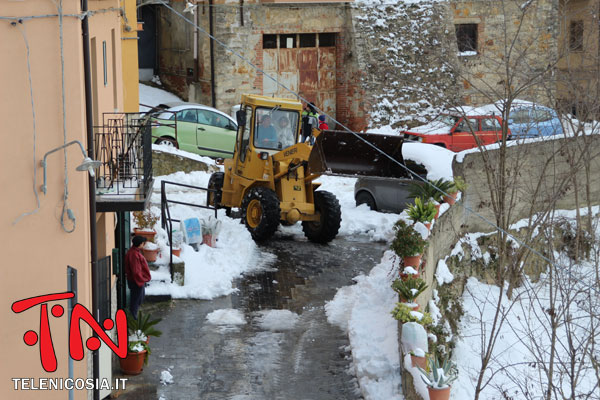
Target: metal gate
(103, 279)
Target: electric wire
(414, 174)
(65, 210)
(21, 28)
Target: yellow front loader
(271, 175)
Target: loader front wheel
(261, 213)
(326, 229)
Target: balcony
(123, 144)
(304, 1)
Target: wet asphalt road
(309, 362)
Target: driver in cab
(267, 135)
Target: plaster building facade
(52, 239)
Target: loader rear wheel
(326, 229)
(215, 182)
(261, 213)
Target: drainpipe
(89, 117)
(212, 54)
(241, 12)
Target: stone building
(379, 62)
(304, 45)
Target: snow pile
(442, 273)
(227, 316)
(166, 377)
(152, 97)
(364, 312)
(357, 220)
(277, 320)
(436, 159)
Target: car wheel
(365, 198)
(167, 141)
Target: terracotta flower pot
(437, 214)
(427, 225)
(412, 261)
(150, 255)
(149, 235)
(413, 306)
(133, 363)
(439, 394)
(209, 240)
(177, 252)
(418, 361)
(451, 199)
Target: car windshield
(447, 120)
(275, 128)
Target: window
(104, 62)
(187, 116)
(218, 120)
(519, 116)
(308, 40)
(269, 41)
(326, 39)
(490, 124)
(466, 37)
(469, 125)
(287, 41)
(576, 36)
(301, 40)
(246, 134)
(542, 115)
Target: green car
(195, 128)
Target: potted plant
(136, 358)
(422, 211)
(439, 378)
(430, 189)
(417, 358)
(457, 185)
(403, 313)
(144, 325)
(150, 251)
(177, 241)
(408, 244)
(145, 221)
(409, 289)
(210, 230)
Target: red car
(458, 133)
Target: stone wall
(458, 220)
(408, 53)
(166, 163)
(515, 44)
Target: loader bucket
(346, 154)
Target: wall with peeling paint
(325, 76)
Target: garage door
(304, 63)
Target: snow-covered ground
(363, 309)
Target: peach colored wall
(36, 251)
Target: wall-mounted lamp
(87, 165)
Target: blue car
(530, 120)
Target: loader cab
(266, 125)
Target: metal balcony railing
(123, 144)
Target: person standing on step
(138, 273)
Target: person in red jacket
(322, 124)
(138, 273)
